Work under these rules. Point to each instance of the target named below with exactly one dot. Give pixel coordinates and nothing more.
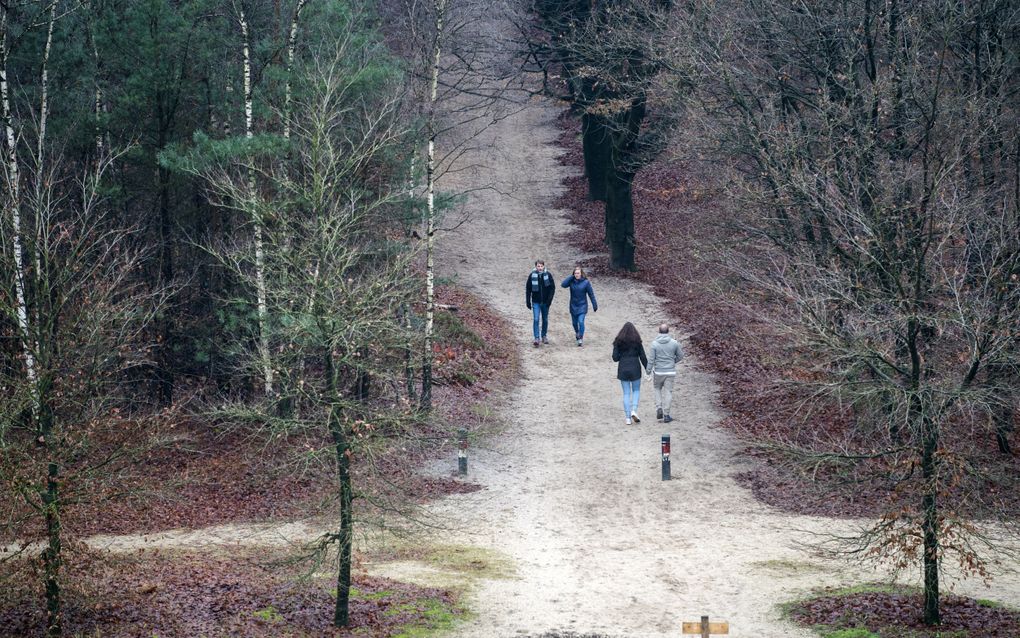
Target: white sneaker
(627, 421)
(633, 415)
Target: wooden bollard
(462, 452)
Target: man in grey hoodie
(664, 354)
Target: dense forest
(224, 213)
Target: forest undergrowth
(211, 476)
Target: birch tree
(12, 206)
(460, 91)
(292, 39)
(435, 57)
(255, 212)
(337, 272)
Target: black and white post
(462, 453)
(665, 457)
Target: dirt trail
(573, 495)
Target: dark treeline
(610, 53)
(208, 205)
(138, 79)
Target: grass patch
(791, 567)
(469, 562)
(367, 595)
(451, 329)
(856, 632)
(476, 562)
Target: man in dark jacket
(538, 294)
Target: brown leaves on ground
(207, 477)
(895, 615)
(151, 594)
(679, 220)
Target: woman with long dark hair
(630, 354)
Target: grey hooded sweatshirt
(664, 355)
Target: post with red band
(665, 457)
(462, 453)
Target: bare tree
(875, 146)
(336, 269)
(92, 313)
(460, 89)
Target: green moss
(991, 604)
(856, 632)
(365, 595)
(269, 614)
(437, 617)
(476, 562)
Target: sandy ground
(572, 496)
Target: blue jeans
(631, 394)
(540, 309)
(578, 321)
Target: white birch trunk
(40, 159)
(430, 207)
(260, 256)
(13, 205)
(291, 46)
(97, 89)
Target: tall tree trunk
(625, 160)
(291, 47)
(12, 204)
(345, 536)
(596, 146)
(620, 220)
(44, 111)
(166, 274)
(260, 257)
(927, 433)
(930, 520)
(52, 555)
(97, 89)
(430, 212)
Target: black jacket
(632, 361)
(542, 291)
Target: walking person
(538, 294)
(665, 354)
(580, 292)
(630, 354)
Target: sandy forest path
(573, 495)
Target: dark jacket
(539, 287)
(580, 290)
(632, 360)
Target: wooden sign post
(705, 628)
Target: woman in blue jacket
(580, 291)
